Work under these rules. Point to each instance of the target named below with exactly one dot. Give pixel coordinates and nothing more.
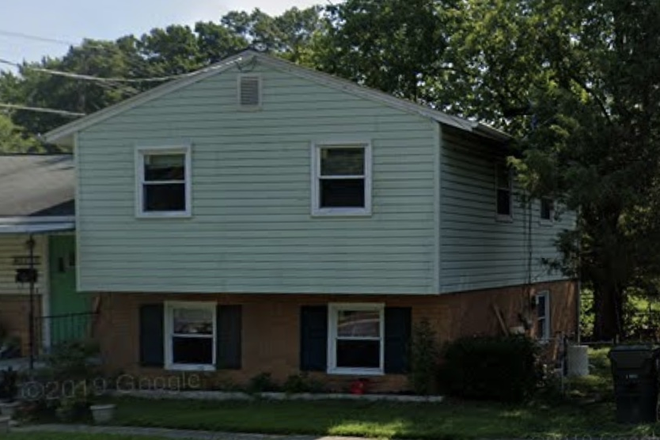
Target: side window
(504, 194)
(543, 327)
(341, 179)
(163, 182)
(547, 210)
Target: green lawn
(383, 420)
(587, 409)
(72, 436)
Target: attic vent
(249, 91)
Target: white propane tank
(577, 357)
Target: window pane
(165, 197)
(164, 167)
(342, 161)
(342, 193)
(540, 329)
(192, 351)
(358, 354)
(546, 208)
(503, 202)
(540, 306)
(192, 321)
(358, 323)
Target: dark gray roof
(36, 185)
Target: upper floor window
(547, 209)
(163, 180)
(504, 181)
(341, 179)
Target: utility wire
(94, 78)
(35, 37)
(115, 80)
(41, 110)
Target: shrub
(8, 385)
(74, 360)
(492, 367)
(424, 354)
(302, 383)
(262, 383)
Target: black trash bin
(635, 374)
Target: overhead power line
(115, 80)
(94, 78)
(36, 38)
(41, 110)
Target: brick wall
(271, 324)
(14, 313)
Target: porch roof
(36, 185)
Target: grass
(597, 385)
(451, 419)
(587, 409)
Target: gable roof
(36, 185)
(64, 135)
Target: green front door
(68, 314)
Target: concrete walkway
(171, 433)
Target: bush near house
(501, 368)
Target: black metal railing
(52, 330)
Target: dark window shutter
(152, 344)
(229, 336)
(313, 338)
(397, 339)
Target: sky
(69, 21)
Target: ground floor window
(543, 328)
(356, 338)
(190, 336)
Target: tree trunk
(608, 310)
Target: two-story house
(258, 216)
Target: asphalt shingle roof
(36, 185)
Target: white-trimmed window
(190, 335)
(504, 191)
(356, 340)
(547, 210)
(543, 327)
(341, 179)
(163, 181)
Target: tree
(14, 140)
(578, 81)
(397, 46)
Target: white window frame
(547, 327)
(316, 155)
(170, 306)
(249, 108)
(140, 153)
(333, 311)
(547, 221)
(498, 216)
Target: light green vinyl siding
(477, 251)
(251, 229)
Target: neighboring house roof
(64, 135)
(36, 185)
